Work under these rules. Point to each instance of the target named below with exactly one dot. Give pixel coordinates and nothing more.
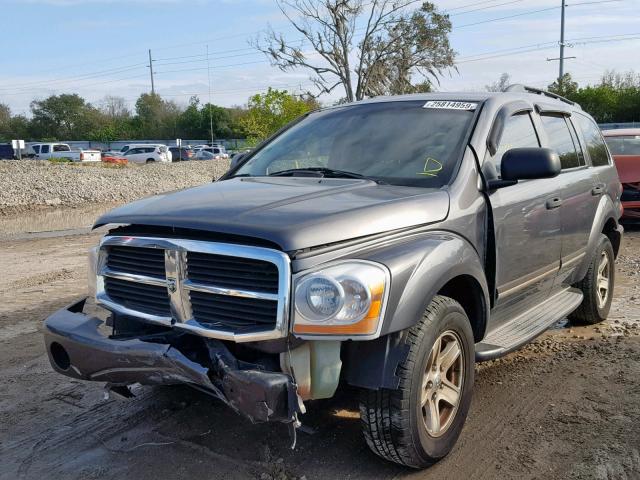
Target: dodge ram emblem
(172, 285)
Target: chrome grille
(232, 272)
(141, 261)
(220, 311)
(151, 299)
(213, 289)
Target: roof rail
(517, 87)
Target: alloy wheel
(442, 383)
(603, 282)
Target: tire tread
(384, 414)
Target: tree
(5, 120)
(5, 114)
(398, 44)
(499, 85)
(269, 112)
(564, 86)
(157, 118)
(105, 134)
(114, 107)
(64, 116)
(615, 99)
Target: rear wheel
(597, 286)
(419, 423)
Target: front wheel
(418, 423)
(597, 286)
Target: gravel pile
(30, 185)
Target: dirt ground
(567, 406)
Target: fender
(420, 267)
(606, 211)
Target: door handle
(597, 190)
(554, 202)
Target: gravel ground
(33, 185)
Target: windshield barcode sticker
(449, 105)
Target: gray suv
(386, 244)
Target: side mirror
(236, 160)
(527, 164)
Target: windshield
(401, 143)
(624, 144)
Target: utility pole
(210, 112)
(561, 71)
(153, 88)
(561, 58)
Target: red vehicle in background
(624, 145)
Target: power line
(483, 8)
(532, 12)
(80, 77)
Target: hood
(628, 167)
(293, 212)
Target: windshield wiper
(324, 172)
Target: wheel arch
(467, 291)
(447, 265)
(605, 221)
(612, 231)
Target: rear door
(527, 229)
(577, 183)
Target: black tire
(392, 420)
(150, 160)
(592, 310)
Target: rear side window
(595, 143)
(561, 140)
(44, 149)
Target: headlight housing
(345, 299)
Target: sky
(100, 47)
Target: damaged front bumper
(78, 348)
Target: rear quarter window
(596, 148)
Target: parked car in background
(47, 151)
(206, 155)
(115, 159)
(6, 151)
(181, 154)
(148, 154)
(624, 145)
(220, 151)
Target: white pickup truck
(46, 151)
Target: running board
(529, 325)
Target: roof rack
(517, 87)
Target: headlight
(344, 299)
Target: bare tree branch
(399, 42)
